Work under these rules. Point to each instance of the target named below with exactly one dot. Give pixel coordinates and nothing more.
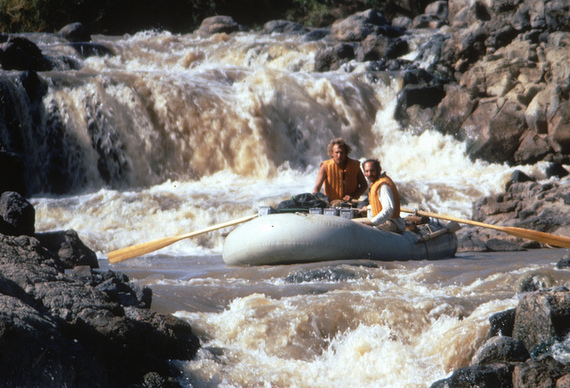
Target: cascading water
(174, 133)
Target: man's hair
(339, 141)
(376, 164)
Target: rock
(17, 215)
(69, 248)
(316, 34)
(543, 372)
(45, 356)
(563, 382)
(218, 24)
(453, 110)
(535, 282)
(541, 316)
(357, 27)
(532, 148)
(426, 96)
(332, 58)
(500, 349)
(11, 172)
(284, 27)
(21, 54)
(91, 49)
(500, 245)
(496, 376)
(502, 323)
(564, 262)
(376, 47)
(80, 329)
(556, 170)
(75, 32)
(498, 139)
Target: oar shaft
(546, 238)
(151, 246)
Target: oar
(151, 246)
(546, 238)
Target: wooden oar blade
(140, 249)
(546, 238)
(155, 245)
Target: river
(174, 133)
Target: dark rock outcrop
(525, 204)
(17, 215)
(526, 359)
(81, 328)
(21, 54)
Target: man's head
(339, 150)
(372, 169)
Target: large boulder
(500, 349)
(357, 27)
(69, 248)
(80, 329)
(21, 54)
(542, 316)
(218, 24)
(75, 32)
(17, 215)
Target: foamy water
(175, 133)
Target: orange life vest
(375, 200)
(341, 182)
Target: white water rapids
(174, 133)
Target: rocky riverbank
(495, 76)
(64, 323)
(522, 346)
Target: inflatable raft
(303, 237)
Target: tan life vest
(341, 182)
(375, 200)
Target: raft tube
(303, 237)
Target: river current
(175, 133)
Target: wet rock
(316, 34)
(425, 96)
(69, 248)
(218, 24)
(81, 329)
(11, 172)
(21, 54)
(75, 32)
(500, 349)
(332, 58)
(541, 316)
(376, 47)
(564, 262)
(91, 49)
(453, 110)
(498, 139)
(17, 215)
(535, 282)
(284, 27)
(540, 320)
(556, 170)
(357, 27)
(543, 372)
(502, 323)
(528, 205)
(497, 376)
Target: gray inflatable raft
(302, 238)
